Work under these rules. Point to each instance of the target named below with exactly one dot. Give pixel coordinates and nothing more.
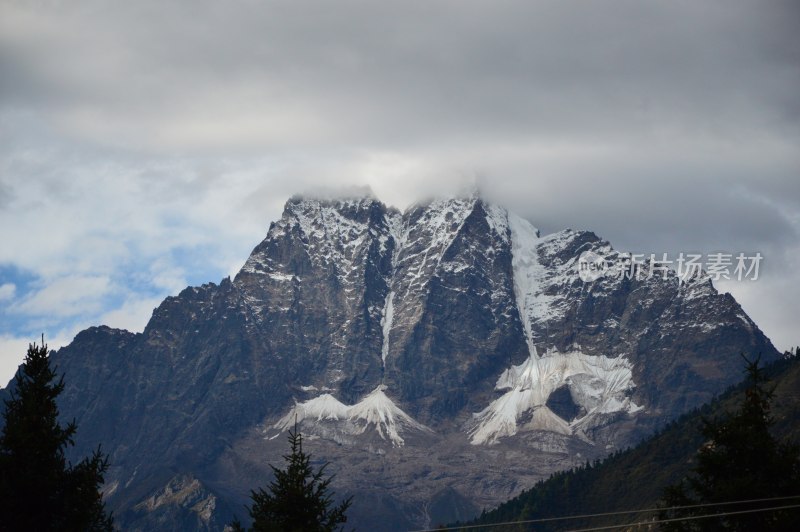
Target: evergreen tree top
(298, 499)
(38, 489)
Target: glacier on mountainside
(375, 409)
(529, 276)
(389, 420)
(325, 406)
(598, 384)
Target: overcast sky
(146, 146)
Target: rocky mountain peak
(407, 346)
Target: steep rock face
(443, 359)
(454, 321)
(316, 288)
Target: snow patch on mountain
(528, 274)
(320, 408)
(374, 410)
(389, 420)
(386, 324)
(497, 218)
(598, 384)
(397, 230)
(281, 276)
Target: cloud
(65, 296)
(132, 315)
(275, 76)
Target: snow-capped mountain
(442, 359)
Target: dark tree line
(739, 461)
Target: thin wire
(692, 518)
(607, 514)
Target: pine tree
(740, 461)
(39, 490)
(298, 500)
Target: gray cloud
(193, 75)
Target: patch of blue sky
(24, 283)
